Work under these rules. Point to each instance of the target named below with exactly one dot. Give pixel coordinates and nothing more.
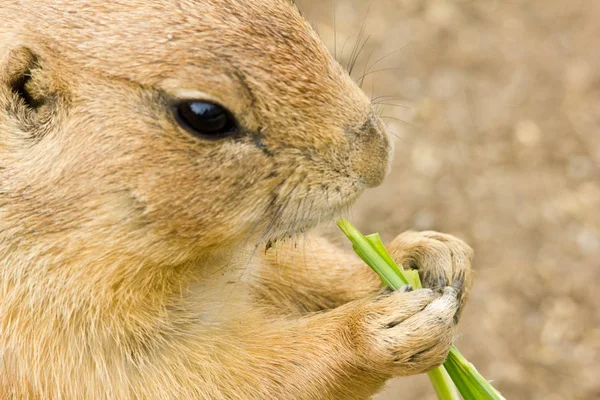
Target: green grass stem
(457, 372)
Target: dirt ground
(496, 110)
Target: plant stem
(372, 250)
(463, 373)
(457, 372)
(442, 384)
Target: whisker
(394, 133)
(362, 79)
(334, 30)
(380, 70)
(393, 105)
(358, 48)
(391, 98)
(399, 120)
(372, 90)
(356, 44)
(344, 47)
(358, 54)
(386, 56)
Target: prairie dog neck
(221, 290)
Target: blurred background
(495, 108)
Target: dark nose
(372, 149)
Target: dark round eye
(205, 119)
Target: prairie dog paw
(442, 260)
(407, 333)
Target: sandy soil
(496, 109)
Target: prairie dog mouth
(296, 216)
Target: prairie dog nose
(372, 151)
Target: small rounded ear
(22, 73)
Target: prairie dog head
(170, 127)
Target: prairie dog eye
(205, 119)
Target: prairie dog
(146, 148)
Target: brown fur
(128, 267)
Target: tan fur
(129, 266)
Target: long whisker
(386, 56)
(334, 30)
(380, 70)
(399, 120)
(372, 90)
(358, 47)
(391, 98)
(387, 128)
(362, 79)
(344, 47)
(358, 54)
(393, 105)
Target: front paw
(407, 333)
(442, 260)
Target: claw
(451, 291)
(458, 283)
(406, 289)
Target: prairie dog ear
(25, 80)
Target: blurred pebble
(527, 132)
(579, 167)
(588, 241)
(425, 160)
(578, 76)
(424, 220)
(442, 13)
